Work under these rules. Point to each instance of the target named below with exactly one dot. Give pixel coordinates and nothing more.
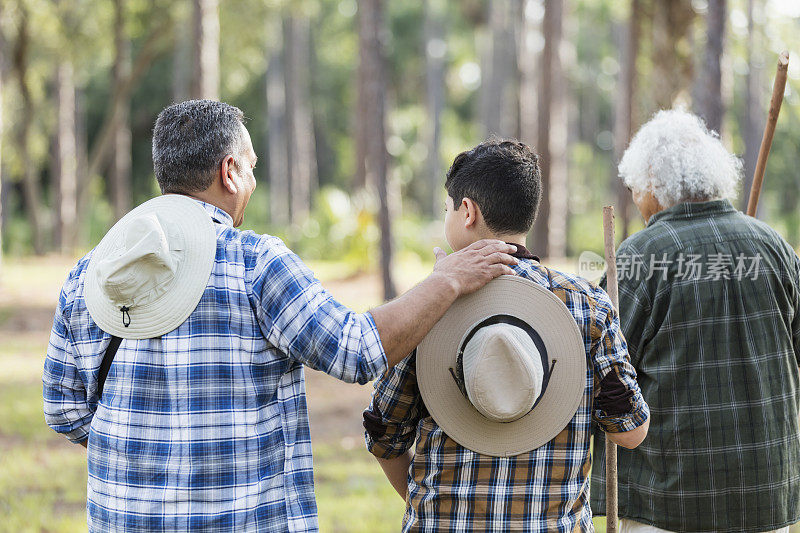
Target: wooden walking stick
(611, 289)
(769, 132)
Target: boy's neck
(512, 239)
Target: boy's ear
(471, 211)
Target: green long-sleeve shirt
(710, 307)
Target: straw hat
(504, 371)
(150, 270)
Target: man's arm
(66, 407)
(396, 470)
(404, 322)
(300, 318)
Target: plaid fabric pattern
(455, 489)
(717, 358)
(206, 427)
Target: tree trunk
(539, 239)
(507, 55)
(672, 55)
(101, 148)
(753, 114)
(488, 98)
(549, 231)
(559, 125)
(276, 129)
(121, 162)
(65, 160)
(498, 90)
(360, 115)
(182, 63)
(205, 79)
(435, 51)
(708, 96)
(528, 60)
(84, 188)
(624, 118)
(303, 160)
(30, 177)
(370, 24)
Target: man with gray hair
(710, 306)
(179, 342)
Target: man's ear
(226, 169)
(471, 212)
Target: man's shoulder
(768, 234)
(669, 236)
(264, 261)
(73, 285)
(81, 266)
(653, 237)
(570, 288)
(249, 246)
(249, 239)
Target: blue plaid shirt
(206, 427)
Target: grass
(21, 358)
(353, 495)
(42, 488)
(42, 477)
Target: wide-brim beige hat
(150, 270)
(558, 338)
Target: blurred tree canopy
(454, 73)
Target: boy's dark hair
(503, 177)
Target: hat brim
(165, 313)
(536, 305)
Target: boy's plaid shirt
(454, 489)
(710, 304)
(206, 427)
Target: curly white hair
(677, 159)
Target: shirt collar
(523, 253)
(217, 214)
(687, 210)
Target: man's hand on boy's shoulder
(403, 322)
(472, 267)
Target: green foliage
(344, 228)
(341, 227)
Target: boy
(494, 191)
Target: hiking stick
(611, 289)
(769, 131)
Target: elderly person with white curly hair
(710, 306)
